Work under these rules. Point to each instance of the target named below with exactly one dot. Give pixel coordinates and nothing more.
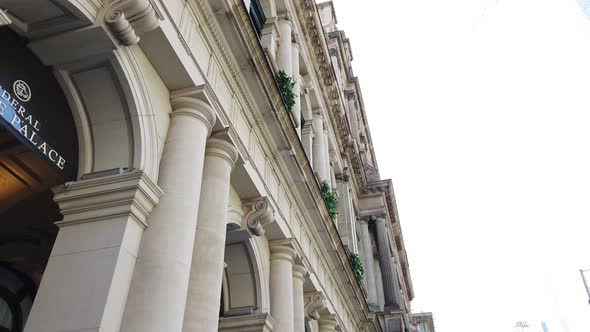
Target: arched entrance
(83, 135)
(38, 150)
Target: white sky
(482, 119)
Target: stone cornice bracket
(350, 94)
(127, 19)
(260, 214)
(4, 19)
(314, 302)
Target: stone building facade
(153, 178)
(423, 322)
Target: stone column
(296, 111)
(269, 36)
(285, 53)
(307, 140)
(328, 323)
(388, 273)
(346, 213)
(379, 283)
(368, 262)
(87, 278)
(281, 285)
(352, 115)
(299, 273)
(204, 292)
(326, 151)
(319, 157)
(157, 297)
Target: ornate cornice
(127, 19)
(314, 33)
(260, 214)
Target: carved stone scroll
(260, 214)
(127, 19)
(314, 302)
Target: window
(257, 16)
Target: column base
(250, 323)
(373, 307)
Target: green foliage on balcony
(357, 267)
(286, 85)
(330, 200)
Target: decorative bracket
(260, 214)
(314, 302)
(127, 19)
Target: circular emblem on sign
(21, 90)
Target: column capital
(285, 17)
(381, 219)
(282, 250)
(223, 149)
(295, 40)
(328, 323)
(350, 94)
(299, 272)
(197, 108)
(260, 214)
(344, 176)
(131, 193)
(314, 302)
(317, 112)
(374, 217)
(307, 128)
